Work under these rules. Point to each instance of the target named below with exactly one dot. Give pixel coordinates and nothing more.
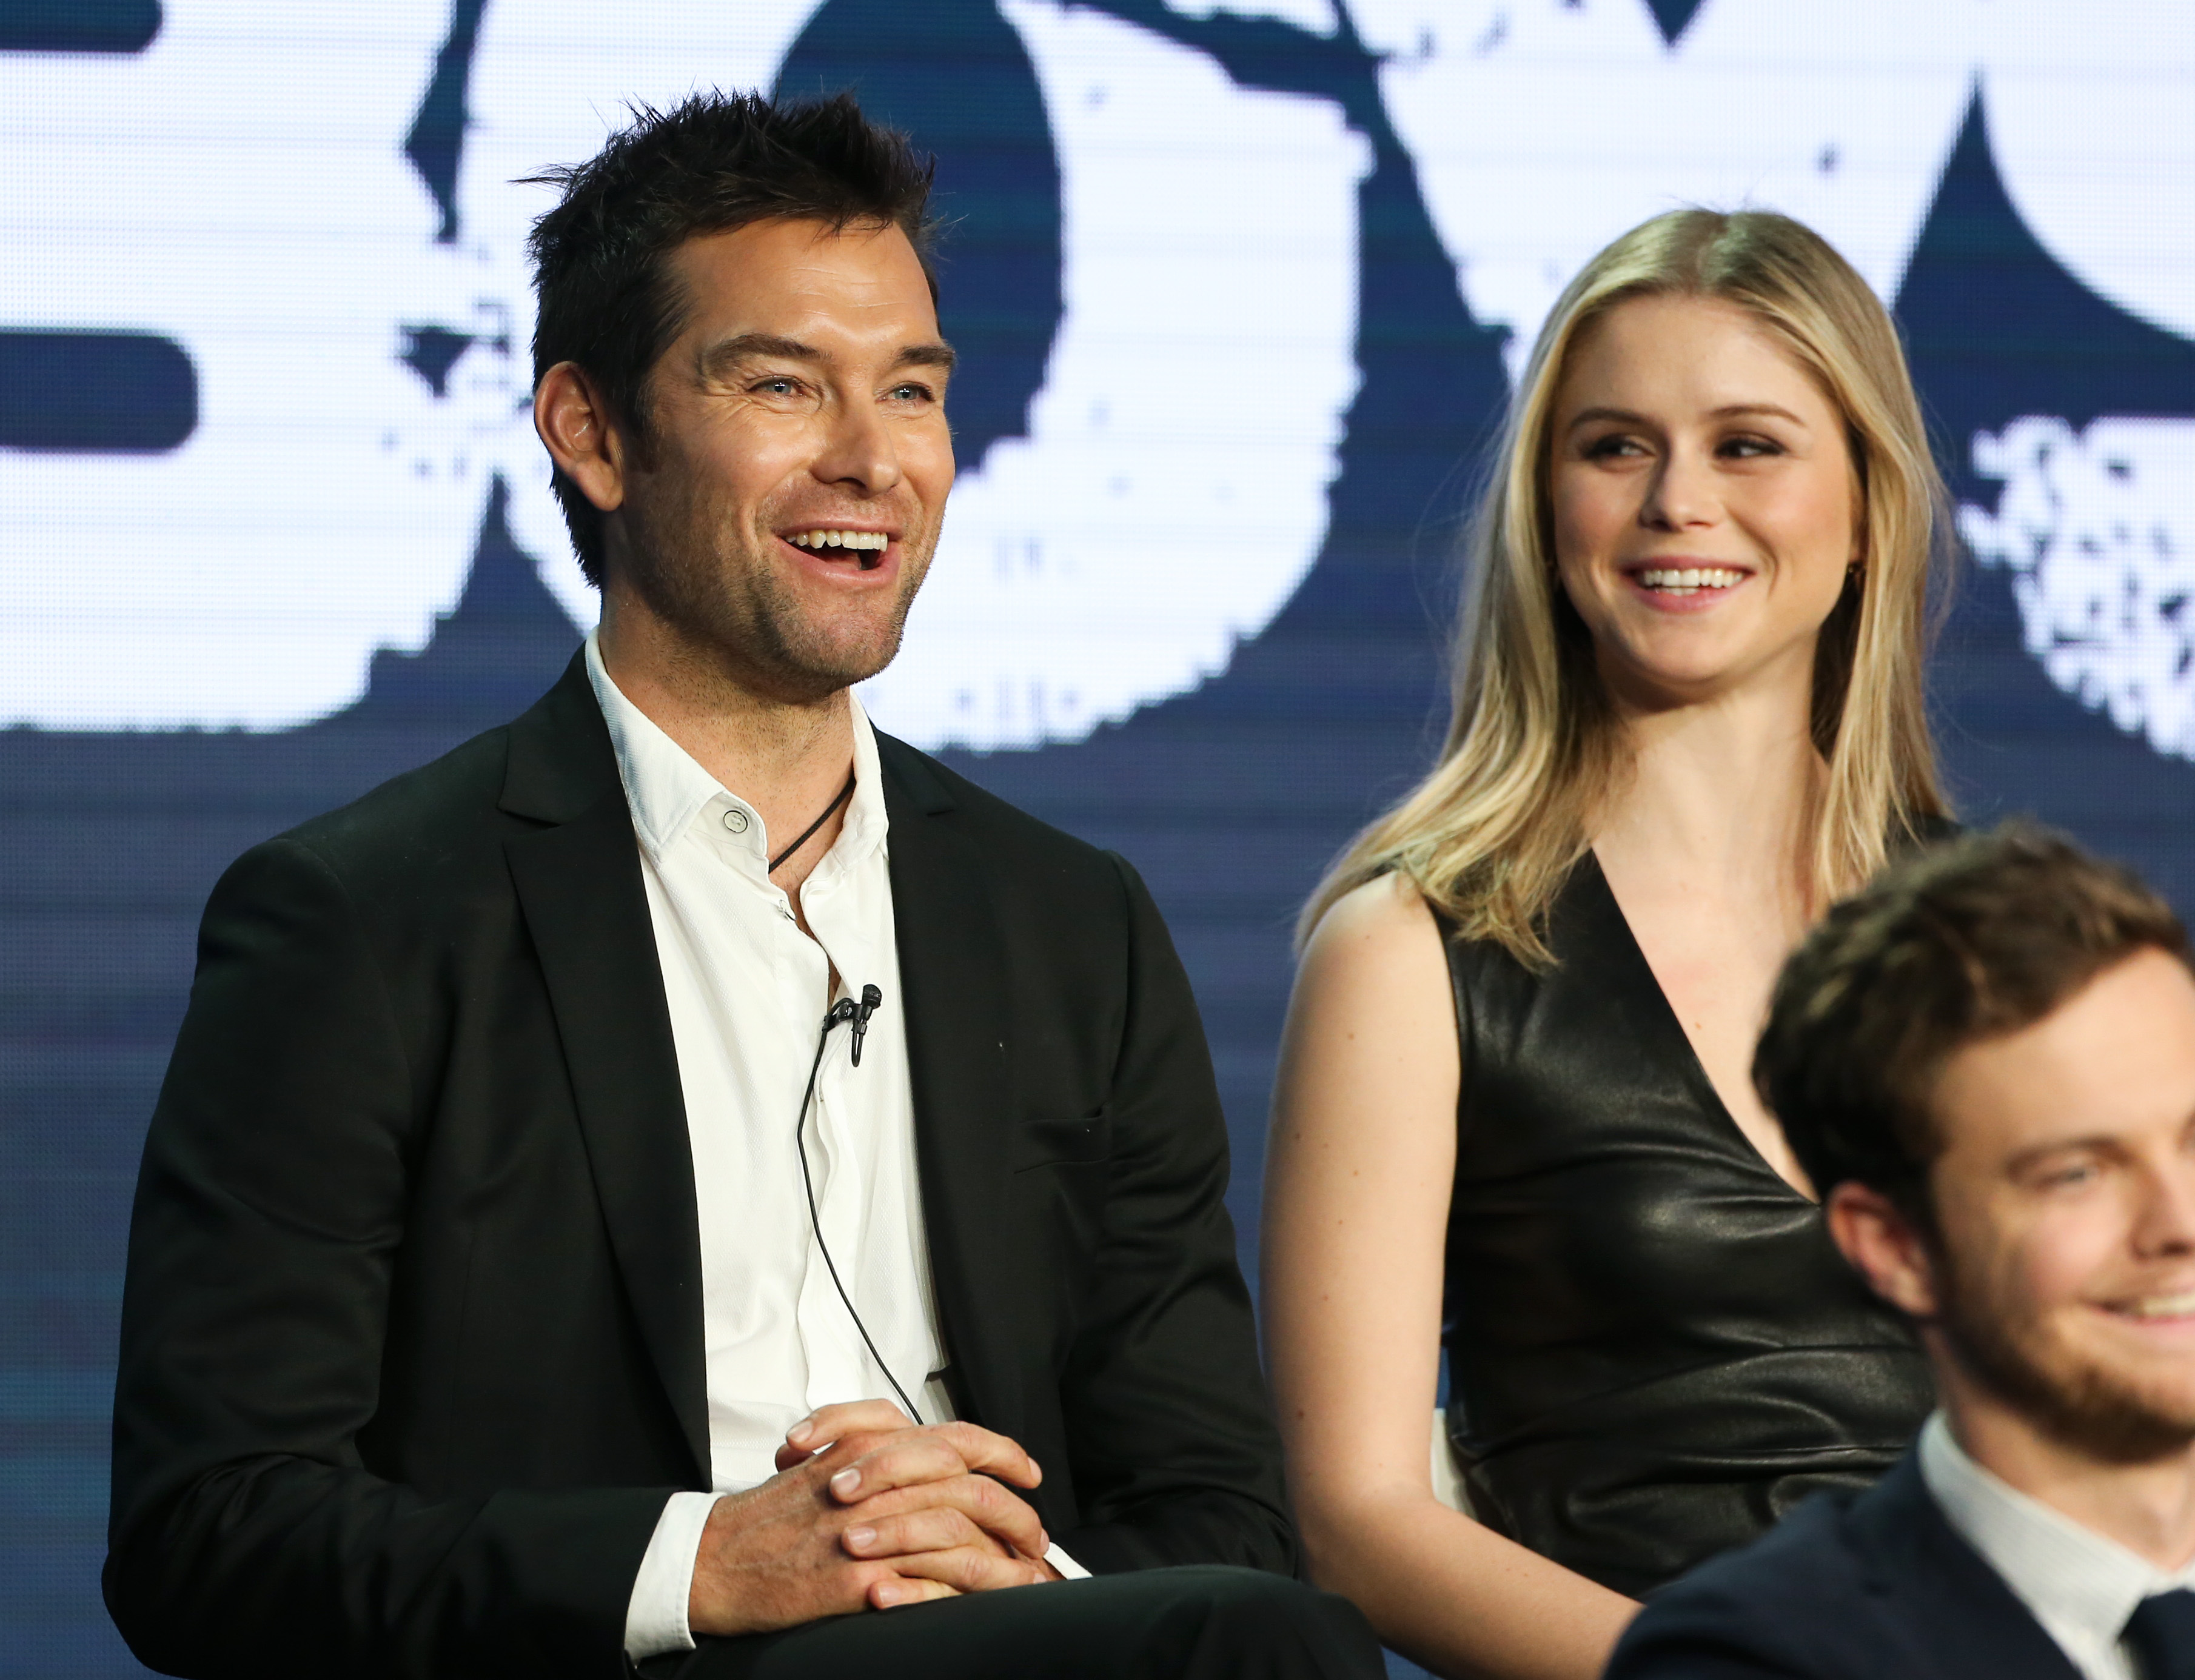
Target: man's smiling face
(2064, 1203)
(783, 508)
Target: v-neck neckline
(1689, 1054)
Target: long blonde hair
(1490, 835)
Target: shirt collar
(2060, 1570)
(665, 788)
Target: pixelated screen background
(1238, 290)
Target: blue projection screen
(1239, 288)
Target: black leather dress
(1655, 1352)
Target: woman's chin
(1658, 676)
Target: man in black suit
(1986, 1060)
(580, 1230)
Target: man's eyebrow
(744, 345)
(936, 352)
(748, 346)
(2096, 1143)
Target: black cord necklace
(809, 832)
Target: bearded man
(1987, 1062)
(687, 1172)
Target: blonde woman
(1514, 1115)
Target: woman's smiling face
(1704, 497)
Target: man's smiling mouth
(866, 547)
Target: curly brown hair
(1973, 941)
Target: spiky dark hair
(609, 299)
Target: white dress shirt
(747, 992)
(2081, 1587)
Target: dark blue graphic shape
(955, 75)
(490, 658)
(431, 351)
(1996, 328)
(1674, 17)
(437, 138)
(95, 393)
(77, 26)
(2001, 328)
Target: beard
(2069, 1393)
(707, 573)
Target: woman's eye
(1601, 449)
(1751, 448)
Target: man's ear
(1885, 1246)
(574, 426)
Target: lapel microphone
(857, 1015)
(870, 998)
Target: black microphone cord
(808, 833)
(845, 1010)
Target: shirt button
(736, 820)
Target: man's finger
(969, 1569)
(906, 1459)
(827, 1424)
(930, 1453)
(994, 1509)
(991, 1453)
(895, 1592)
(935, 1528)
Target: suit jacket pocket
(1051, 1143)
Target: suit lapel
(1959, 1609)
(579, 888)
(956, 997)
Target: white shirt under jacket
(747, 992)
(2081, 1587)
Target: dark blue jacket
(1872, 1586)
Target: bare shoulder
(1380, 934)
(1372, 996)
(1364, 1103)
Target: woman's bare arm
(1358, 1178)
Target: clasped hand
(869, 1510)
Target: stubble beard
(706, 574)
(2066, 1393)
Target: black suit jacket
(411, 1344)
(1872, 1586)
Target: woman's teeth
(2163, 1306)
(1688, 580)
(841, 539)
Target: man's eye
(910, 394)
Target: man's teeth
(841, 539)
(2163, 1306)
(1684, 580)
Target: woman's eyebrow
(1622, 416)
(1733, 411)
(1729, 411)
